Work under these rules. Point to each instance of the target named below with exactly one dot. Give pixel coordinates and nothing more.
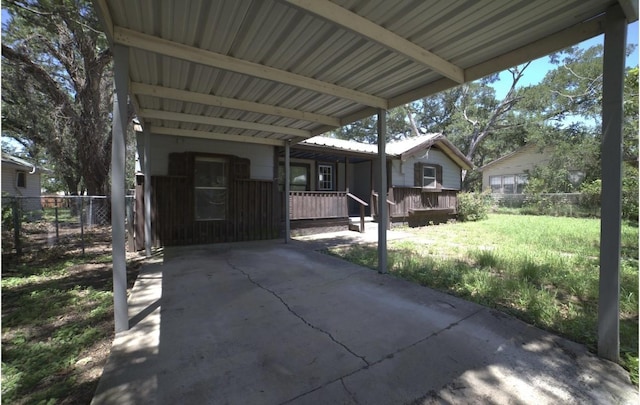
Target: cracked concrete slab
(270, 323)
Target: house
(217, 191)
(506, 177)
(21, 179)
(508, 174)
(423, 172)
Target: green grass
(544, 270)
(57, 308)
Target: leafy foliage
(473, 206)
(57, 89)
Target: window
(325, 177)
(210, 188)
(496, 184)
(521, 182)
(21, 179)
(429, 177)
(299, 180)
(508, 184)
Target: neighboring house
(508, 174)
(217, 191)
(21, 179)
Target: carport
(275, 72)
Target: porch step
(354, 223)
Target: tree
(564, 111)
(58, 88)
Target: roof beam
(552, 43)
(216, 136)
(224, 102)
(174, 49)
(221, 122)
(630, 8)
(366, 28)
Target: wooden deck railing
(318, 204)
(362, 205)
(403, 199)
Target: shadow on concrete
(274, 323)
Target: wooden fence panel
(251, 213)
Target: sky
(539, 67)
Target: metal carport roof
(267, 71)
(277, 72)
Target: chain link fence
(76, 222)
(555, 204)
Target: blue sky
(539, 67)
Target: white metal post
(382, 192)
(121, 79)
(146, 131)
(287, 176)
(611, 200)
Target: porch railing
(403, 199)
(318, 204)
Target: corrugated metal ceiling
(325, 57)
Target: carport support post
(382, 192)
(287, 181)
(146, 132)
(611, 200)
(121, 79)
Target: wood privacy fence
(253, 213)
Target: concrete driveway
(269, 323)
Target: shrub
(591, 191)
(473, 206)
(630, 193)
(590, 198)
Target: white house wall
(261, 156)
(403, 175)
(523, 160)
(32, 189)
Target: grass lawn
(57, 323)
(543, 270)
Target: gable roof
(402, 149)
(16, 161)
(508, 156)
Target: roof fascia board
(370, 30)
(333, 150)
(508, 155)
(552, 43)
(223, 122)
(454, 153)
(165, 47)
(224, 102)
(215, 136)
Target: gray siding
(261, 156)
(402, 172)
(32, 189)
